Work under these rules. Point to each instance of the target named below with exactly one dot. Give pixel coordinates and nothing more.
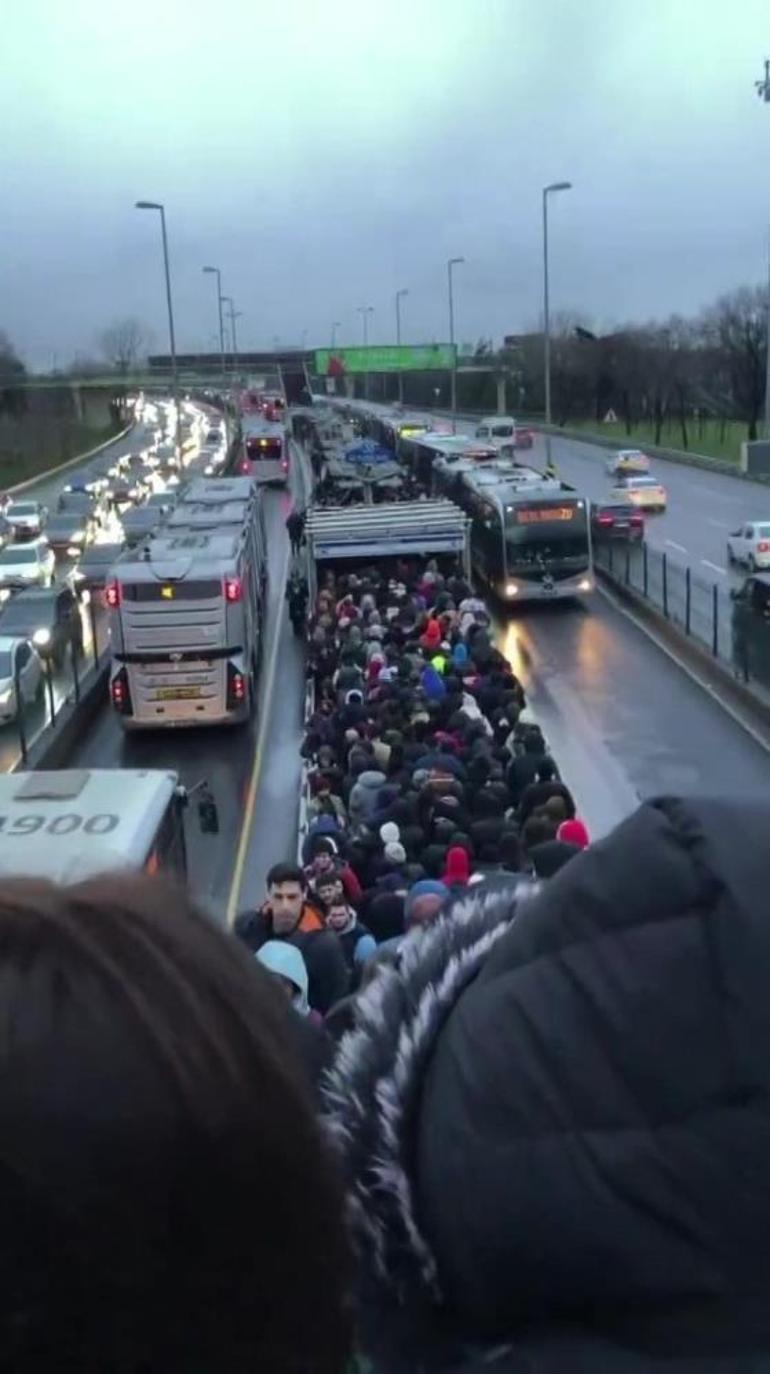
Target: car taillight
(236, 687)
(763, 546)
(233, 589)
(120, 694)
(637, 518)
(605, 520)
(112, 594)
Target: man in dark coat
(554, 1116)
(286, 915)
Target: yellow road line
(256, 770)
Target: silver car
(27, 565)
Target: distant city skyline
(327, 155)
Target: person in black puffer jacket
(554, 1116)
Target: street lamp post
(365, 311)
(215, 271)
(234, 315)
(156, 205)
(547, 191)
(452, 263)
(335, 326)
(399, 295)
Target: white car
(628, 460)
(26, 518)
(27, 565)
(21, 675)
(750, 545)
(643, 492)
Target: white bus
(76, 822)
(265, 455)
(188, 611)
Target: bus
(530, 534)
(425, 453)
(76, 822)
(188, 612)
(265, 455)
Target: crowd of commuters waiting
(465, 1095)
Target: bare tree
(123, 343)
(737, 327)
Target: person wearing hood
(433, 683)
(592, 1197)
(364, 796)
(431, 637)
(550, 856)
(457, 869)
(285, 963)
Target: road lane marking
(679, 547)
(708, 564)
(256, 770)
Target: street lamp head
(453, 261)
(148, 205)
(558, 186)
(403, 292)
(210, 269)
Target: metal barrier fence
(702, 608)
(32, 702)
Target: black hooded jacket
(556, 1118)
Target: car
(628, 461)
(140, 522)
(619, 521)
(643, 492)
(49, 618)
(750, 544)
(69, 533)
(164, 501)
(119, 490)
(27, 565)
(86, 504)
(92, 568)
(21, 675)
(26, 518)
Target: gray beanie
(395, 852)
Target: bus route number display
(102, 823)
(537, 515)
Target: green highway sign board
(338, 362)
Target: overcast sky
(324, 153)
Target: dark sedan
(616, 521)
(92, 569)
(69, 533)
(49, 617)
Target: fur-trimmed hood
(372, 1091)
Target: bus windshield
(536, 530)
(264, 448)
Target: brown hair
(166, 1197)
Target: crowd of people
(426, 774)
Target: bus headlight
(41, 638)
(585, 585)
(511, 589)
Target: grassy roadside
(18, 464)
(705, 436)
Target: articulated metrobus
(76, 822)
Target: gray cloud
(325, 154)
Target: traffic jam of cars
(53, 562)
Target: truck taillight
(236, 687)
(112, 594)
(120, 694)
(233, 589)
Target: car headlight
(41, 638)
(6, 697)
(585, 584)
(511, 589)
